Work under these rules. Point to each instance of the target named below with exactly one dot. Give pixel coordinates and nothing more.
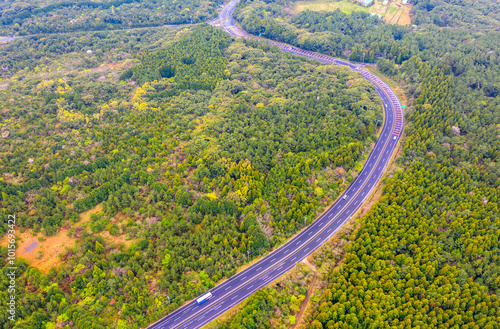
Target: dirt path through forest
(310, 292)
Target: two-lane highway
(236, 289)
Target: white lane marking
(363, 194)
(357, 201)
(309, 233)
(306, 249)
(243, 277)
(285, 251)
(227, 288)
(251, 286)
(258, 268)
(272, 260)
(328, 231)
(319, 239)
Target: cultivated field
(393, 13)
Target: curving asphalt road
(236, 289)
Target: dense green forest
(34, 16)
(428, 253)
(199, 150)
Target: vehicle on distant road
(204, 298)
(395, 137)
(344, 197)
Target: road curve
(240, 286)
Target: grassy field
(393, 13)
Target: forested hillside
(363, 38)
(194, 150)
(172, 158)
(428, 253)
(40, 16)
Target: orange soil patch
(29, 245)
(85, 216)
(113, 66)
(391, 18)
(392, 13)
(405, 18)
(401, 16)
(125, 64)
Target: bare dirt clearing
(43, 252)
